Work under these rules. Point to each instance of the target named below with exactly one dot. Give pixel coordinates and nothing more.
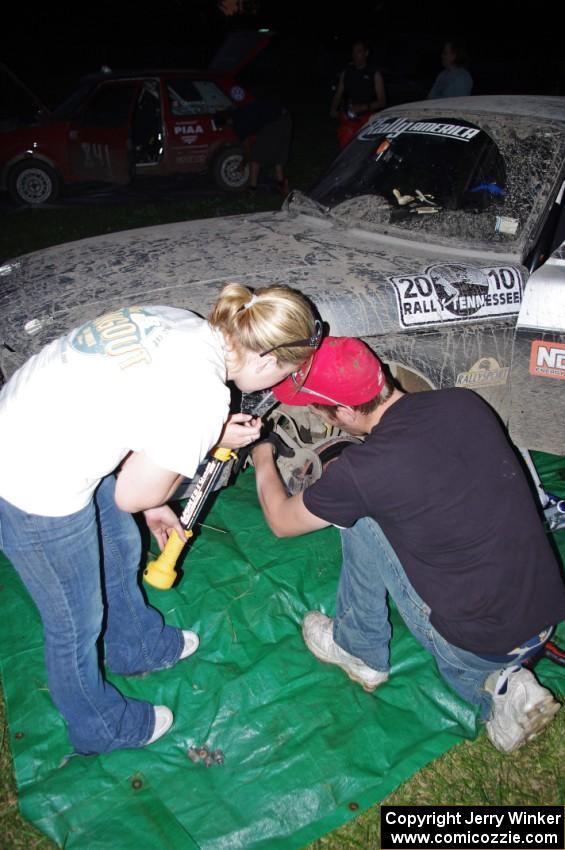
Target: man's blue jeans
(361, 627)
(82, 572)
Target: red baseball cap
(344, 371)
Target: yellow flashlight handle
(221, 453)
(161, 572)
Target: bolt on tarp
(305, 749)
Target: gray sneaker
(521, 708)
(317, 630)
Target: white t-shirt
(140, 378)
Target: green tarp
(305, 749)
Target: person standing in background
(265, 129)
(455, 80)
(360, 92)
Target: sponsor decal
(393, 127)
(456, 292)
(186, 159)
(547, 359)
(486, 372)
(188, 132)
(505, 224)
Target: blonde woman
(141, 390)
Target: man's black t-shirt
(440, 477)
(359, 85)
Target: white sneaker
(317, 630)
(163, 722)
(521, 708)
(191, 643)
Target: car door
(192, 134)
(99, 134)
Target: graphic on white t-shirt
(122, 334)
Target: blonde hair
(265, 319)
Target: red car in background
(116, 125)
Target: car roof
(130, 74)
(541, 107)
(89, 82)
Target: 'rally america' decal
(393, 127)
(455, 292)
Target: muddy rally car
(436, 235)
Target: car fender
(21, 157)
(537, 405)
(219, 145)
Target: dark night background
(513, 47)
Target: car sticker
(547, 359)
(486, 372)
(455, 292)
(393, 127)
(195, 157)
(237, 93)
(506, 224)
(187, 130)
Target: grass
(470, 773)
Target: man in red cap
(435, 509)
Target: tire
(331, 449)
(33, 184)
(229, 171)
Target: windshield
(69, 106)
(447, 177)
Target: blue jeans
(82, 572)
(371, 569)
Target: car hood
(352, 277)
(238, 49)
(17, 97)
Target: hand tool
(161, 572)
